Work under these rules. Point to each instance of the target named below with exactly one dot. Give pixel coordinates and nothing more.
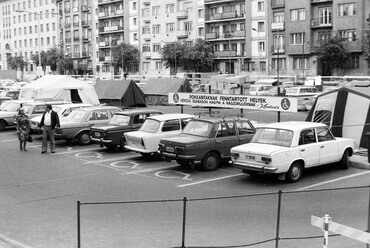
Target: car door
(226, 138)
(245, 131)
(328, 146)
(309, 147)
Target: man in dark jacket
(49, 121)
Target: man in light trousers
(49, 121)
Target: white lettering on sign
(268, 103)
(173, 174)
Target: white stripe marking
(335, 180)
(112, 159)
(148, 170)
(209, 180)
(9, 140)
(77, 151)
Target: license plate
(170, 149)
(249, 157)
(97, 134)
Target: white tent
(59, 88)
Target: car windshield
(58, 109)
(27, 108)
(198, 128)
(120, 120)
(76, 115)
(150, 126)
(292, 91)
(273, 136)
(10, 106)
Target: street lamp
(38, 30)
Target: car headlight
(235, 155)
(267, 160)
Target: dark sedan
(112, 135)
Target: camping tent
(59, 88)
(346, 111)
(120, 93)
(157, 89)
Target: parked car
(76, 126)
(3, 99)
(260, 89)
(63, 110)
(146, 139)
(287, 148)
(303, 93)
(112, 136)
(9, 110)
(207, 140)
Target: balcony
(68, 40)
(321, 23)
(277, 3)
(147, 55)
(86, 54)
(182, 34)
(278, 49)
(321, 1)
(76, 24)
(66, 11)
(67, 25)
(86, 23)
(85, 39)
(211, 36)
(224, 15)
(146, 36)
(146, 2)
(224, 54)
(103, 43)
(108, 1)
(217, 1)
(183, 14)
(76, 38)
(277, 26)
(75, 9)
(84, 8)
(110, 29)
(119, 12)
(102, 14)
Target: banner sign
(267, 103)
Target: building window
(155, 11)
(261, 26)
(250, 66)
(282, 63)
(156, 29)
(262, 65)
(170, 8)
(201, 31)
(297, 38)
(156, 47)
(300, 63)
(278, 17)
(170, 27)
(134, 36)
(261, 6)
(348, 35)
(324, 16)
(200, 13)
(158, 65)
(261, 46)
(146, 30)
(145, 12)
(134, 21)
(134, 5)
(297, 15)
(146, 48)
(347, 9)
(146, 65)
(353, 62)
(188, 26)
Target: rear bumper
(178, 156)
(138, 149)
(101, 141)
(258, 168)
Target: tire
(122, 145)
(294, 173)
(2, 125)
(84, 138)
(344, 162)
(211, 161)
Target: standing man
(49, 122)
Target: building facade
(26, 28)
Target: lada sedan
(112, 136)
(146, 139)
(303, 93)
(9, 110)
(287, 148)
(76, 126)
(207, 140)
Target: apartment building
(298, 26)
(26, 28)
(167, 21)
(77, 33)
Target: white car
(146, 139)
(63, 110)
(303, 93)
(287, 148)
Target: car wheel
(2, 125)
(344, 162)
(294, 173)
(145, 155)
(84, 138)
(211, 161)
(122, 145)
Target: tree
(199, 56)
(366, 45)
(173, 54)
(332, 52)
(35, 59)
(125, 55)
(17, 62)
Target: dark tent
(124, 93)
(157, 89)
(346, 111)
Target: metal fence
(272, 219)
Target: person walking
(49, 122)
(23, 128)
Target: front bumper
(252, 167)
(101, 141)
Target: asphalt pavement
(358, 160)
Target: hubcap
(295, 172)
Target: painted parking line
(112, 159)
(210, 180)
(76, 151)
(3, 141)
(335, 180)
(150, 170)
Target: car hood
(255, 148)
(139, 134)
(184, 139)
(36, 118)
(108, 128)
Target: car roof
(292, 125)
(170, 116)
(44, 103)
(216, 119)
(137, 111)
(68, 105)
(99, 107)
